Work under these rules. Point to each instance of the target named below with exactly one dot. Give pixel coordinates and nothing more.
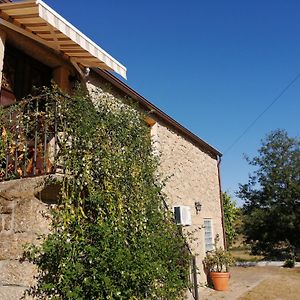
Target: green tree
(272, 195)
(111, 236)
(230, 217)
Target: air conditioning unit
(183, 215)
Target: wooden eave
(38, 21)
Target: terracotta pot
(220, 280)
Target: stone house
(36, 46)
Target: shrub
(218, 260)
(289, 263)
(111, 237)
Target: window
(208, 235)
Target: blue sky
(214, 66)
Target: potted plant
(217, 263)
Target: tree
(230, 217)
(272, 195)
(111, 236)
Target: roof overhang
(41, 23)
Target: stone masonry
(192, 175)
(22, 217)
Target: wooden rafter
(39, 22)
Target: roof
(41, 23)
(155, 111)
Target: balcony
(29, 138)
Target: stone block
(26, 187)
(5, 223)
(29, 216)
(3, 194)
(6, 204)
(13, 272)
(12, 245)
(12, 293)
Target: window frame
(209, 246)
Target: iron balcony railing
(29, 138)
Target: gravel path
(242, 280)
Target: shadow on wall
(49, 194)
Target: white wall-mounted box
(183, 215)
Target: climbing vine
(111, 236)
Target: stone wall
(192, 175)
(22, 216)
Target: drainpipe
(196, 291)
(221, 200)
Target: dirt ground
(255, 283)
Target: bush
(289, 263)
(218, 260)
(111, 236)
(231, 214)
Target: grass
(243, 254)
(284, 284)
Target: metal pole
(45, 140)
(195, 278)
(35, 138)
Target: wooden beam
(37, 21)
(61, 78)
(22, 11)
(69, 48)
(75, 50)
(68, 43)
(13, 21)
(86, 55)
(17, 5)
(149, 121)
(78, 69)
(29, 20)
(55, 37)
(23, 17)
(28, 34)
(98, 65)
(2, 50)
(29, 25)
(87, 60)
(45, 31)
(91, 63)
(34, 27)
(83, 54)
(51, 35)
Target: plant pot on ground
(217, 264)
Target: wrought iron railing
(29, 138)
